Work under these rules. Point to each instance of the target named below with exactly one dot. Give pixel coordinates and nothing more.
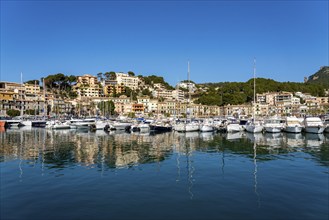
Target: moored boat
(292, 125)
(313, 125)
(273, 125)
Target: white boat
(207, 128)
(273, 125)
(187, 127)
(192, 126)
(207, 125)
(254, 126)
(121, 125)
(143, 127)
(313, 125)
(292, 125)
(100, 124)
(74, 122)
(34, 122)
(161, 126)
(179, 127)
(233, 125)
(13, 123)
(86, 123)
(58, 125)
(236, 125)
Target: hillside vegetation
(221, 93)
(242, 92)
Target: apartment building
(274, 98)
(137, 108)
(162, 93)
(32, 88)
(111, 90)
(178, 94)
(126, 80)
(237, 110)
(87, 79)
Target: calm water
(96, 175)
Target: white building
(186, 85)
(126, 80)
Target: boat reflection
(314, 140)
(61, 148)
(235, 135)
(294, 140)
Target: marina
(79, 174)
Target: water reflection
(243, 173)
(61, 148)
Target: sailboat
(188, 125)
(254, 126)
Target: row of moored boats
(229, 124)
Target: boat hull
(314, 129)
(254, 128)
(293, 129)
(273, 129)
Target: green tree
(131, 115)
(32, 82)
(131, 73)
(13, 112)
(100, 76)
(107, 108)
(107, 75)
(113, 76)
(31, 112)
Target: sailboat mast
(44, 98)
(35, 99)
(253, 112)
(21, 94)
(188, 79)
(188, 111)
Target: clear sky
(289, 39)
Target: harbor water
(70, 174)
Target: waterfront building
(237, 110)
(122, 104)
(145, 100)
(274, 98)
(137, 108)
(61, 107)
(6, 101)
(152, 106)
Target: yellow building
(6, 95)
(110, 89)
(32, 89)
(87, 79)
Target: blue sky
(289, 39)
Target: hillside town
(161, 102)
